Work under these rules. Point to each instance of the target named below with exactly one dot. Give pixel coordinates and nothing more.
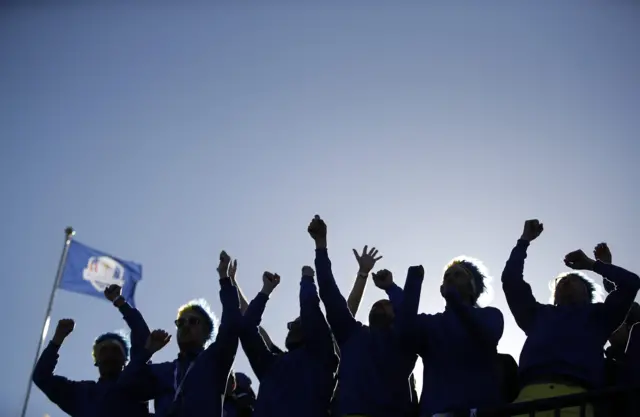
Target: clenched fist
(579, 260)
(113, 292)
(269, 282)
(383, 279)
(317, 229)
(532, 229)
(307, 271)
(63, 329)
(602, 253)
(223, 266)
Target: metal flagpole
(68, 232)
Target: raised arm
(315, 329)
(520, 299)
(339, 317)
(383, 279)
(137, 377)
(619, 301)
(366, 262)
(225, 346)
(244, 304)
(60, 390)
(407, 325)
(258, 352)
(138, 326)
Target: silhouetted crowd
(334, 365)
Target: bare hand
(532, 229)
(383, 279)
(269, 282)
(602, 253)
(579, 260)
(307, 271)
(367, 260)
(157, 340)
(223, 266)
(63, 329)
(233, 268)
(112, 292)
(317, 229)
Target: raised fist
(112, 292)
(578, 260)
(63, 329)
(366, 260)
(418, 270)
(269, 282)
(157, 340)
(233, 268)
(383, 279)
(223, 266)
(307, 271)
(532, 229)
(602, 253)
(317, 229)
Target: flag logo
(102, 271)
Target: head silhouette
(573, 288)
(467, 276)
(295, 337)
(110, 354)
(381, 314)
(195, 325)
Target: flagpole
(68, 233)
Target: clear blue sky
(164, 134)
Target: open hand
(366, 260)
(157, 340)
(223, 266)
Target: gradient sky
(164, 134)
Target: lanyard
(177, 387)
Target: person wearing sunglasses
(194, 384)
(300, 381)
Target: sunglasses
(191, 321)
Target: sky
(164, 134)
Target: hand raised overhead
(307, 271)
(383, 279)
(318, 230)
(269, 282)
(602, 253)
(112, 292)
(418, 270)
(157, 340)
(579, 260)
(532, 229)
(63, 329)
(366, 260)
(224, 266)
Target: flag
(89, 271)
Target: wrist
(362, 274)
(321, 243)
(57, 340)
(266, 291)
(119, 301)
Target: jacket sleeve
(618, 301)
(408, 325)
(60, 390)
(257, 350)
(316, 330)
(339, 317)
(520, 299)
(139, 329)
(138, 379)
(225, 346)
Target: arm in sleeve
(244, 305)
(339, 317)
(396, 296)
(520, 299)
(485, 325)
(619, 301)
(257, 350)
(316, 330)
(60, 390)
(139, 329)
(138, 379)
(408, 326)
(225, 346)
